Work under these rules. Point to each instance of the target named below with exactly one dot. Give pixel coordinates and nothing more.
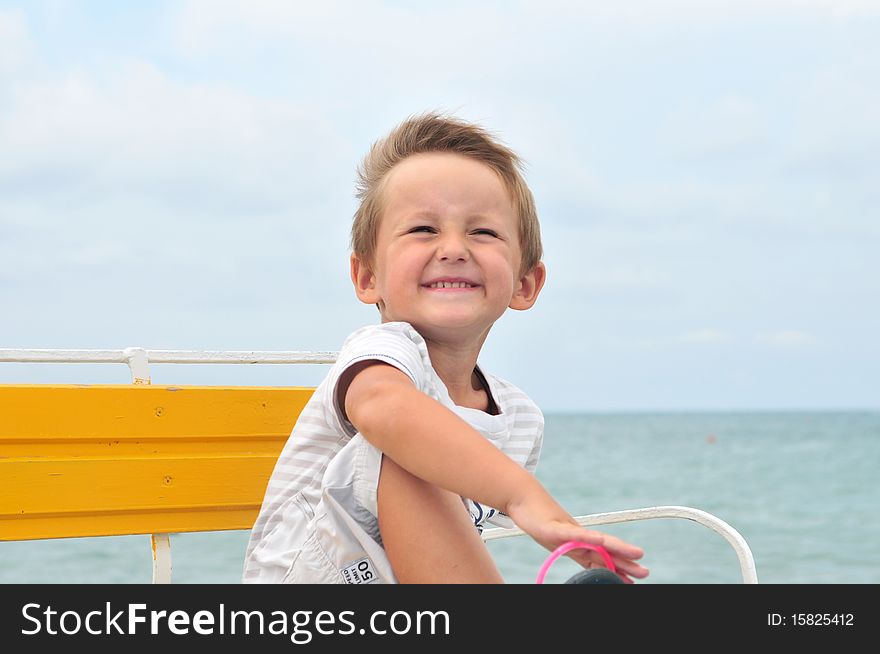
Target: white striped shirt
(325, 452)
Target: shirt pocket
(280, 543)
(311, 565)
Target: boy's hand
(546, 522)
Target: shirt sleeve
(394, 343)
(535, 454)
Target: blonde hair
(434, 132)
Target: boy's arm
(432, 443)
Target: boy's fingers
(613, 544)
(622, 548)
(631, 568)
(623, 565)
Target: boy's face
(447, 254)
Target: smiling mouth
(450, 285)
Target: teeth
(450, 285)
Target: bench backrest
(104, 460)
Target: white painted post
(139, 365)
(161, 558)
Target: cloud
(720, 127)
(356, 38)
(133, 135)
(620, 277)
(835, 135)
(786, 339)
(201, 24)
(706, 337)
(839, 8)
(16, 48)
(110, 172)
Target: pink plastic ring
(567, 547)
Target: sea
(801, 487)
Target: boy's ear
(528, 288)
(364, 281)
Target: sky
(180, 175)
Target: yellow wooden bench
(138, 459)
(114, 460)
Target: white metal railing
(138, 360)
(733, 537)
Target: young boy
(407, 447)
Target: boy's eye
(485, 231)
(422, 228)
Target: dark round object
(595, 576)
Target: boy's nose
(452, 247)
